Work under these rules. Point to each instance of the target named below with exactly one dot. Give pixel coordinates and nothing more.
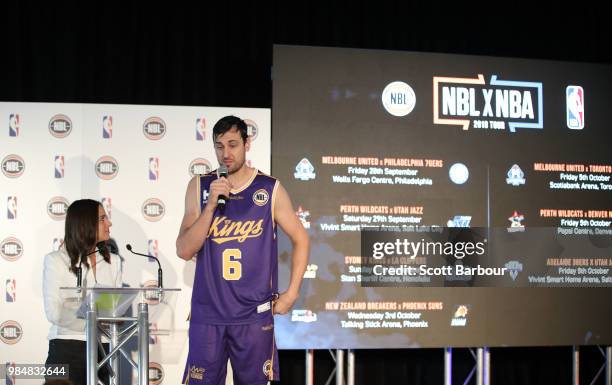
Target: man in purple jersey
(235, 286)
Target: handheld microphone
(101, 247)
(159, 269)
(222, 173)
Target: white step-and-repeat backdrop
(135, 159)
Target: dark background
(221, 55)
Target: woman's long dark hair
(81, 230)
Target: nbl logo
(10, 332)
(11, 290)
(11, 207)
(252, 129)
(59, 166)
(152, 297)
(398, 98)
(57, 207)
(14, 125)
(153, 209)
(153, 168)
(106, 167)
(107, 127)
(57, 243)
(200, 129)
(261, 197)
(13, 166)
(199, 166)
(156, 373)
(108, 206)
(153, 249)
(60, 126)
(11, 249)
(154, 128)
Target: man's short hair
(227, 123)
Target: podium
(104, 310)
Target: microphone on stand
(101, 247)
(159, 269)
(222, 200)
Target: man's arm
(287, 220)
(195, 224)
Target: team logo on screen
(58, 169)
(10, 332)
(261, 197)
(516, 223)
(311, 271)
(156, 373)
(107, 204)
(199, 166)
(304, 170)
(458, 173)
(106, 167)
(153, 248)
(60, 126)
(515, 176)
(252, 129)
(11, 249)
(514, 267)
(153, 209)
(13, 166)
(153, 168)
(154, 128)
(460, 315)
(499, 105)
(303, 316)
(398, 98)
(11, 290)
(57, 243)
(107, 127)
(459, 221)
(14, 125)
(200, 129)
(303, 216)
(11, 207)
(57, 208)
(574, 99)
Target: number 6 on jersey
(232, 269)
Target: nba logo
(57, 243)
(11, 290)
(108, 207)
(153, 168)
(59, 166)
(107, 127)
(153, 249)
(14, 125)
(11, 207)
(574, 98)
(200, 128)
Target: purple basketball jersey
(237, 268)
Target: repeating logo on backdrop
(200, 129)
(57, 243)
(152, 297)
(11, 249)
(153, 249)
(514, 267)
(516, 224)
(13, 166)
(11, 290)
(499, 105)
(154, 128)
(57, 207)
(106, 167)
(107, 204)
(14, 125)
(303, 216)
(199, 166)
(60, 126)
(515, 176)
(398, 98)
(58, 166)
(153, 209)
(107, 127)
(11, 207)
(460, 315)
(252, 129)
(156, 373)
(303, 316)
(10, 332)
(574, 100)
(153, 168)
(304, 170)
